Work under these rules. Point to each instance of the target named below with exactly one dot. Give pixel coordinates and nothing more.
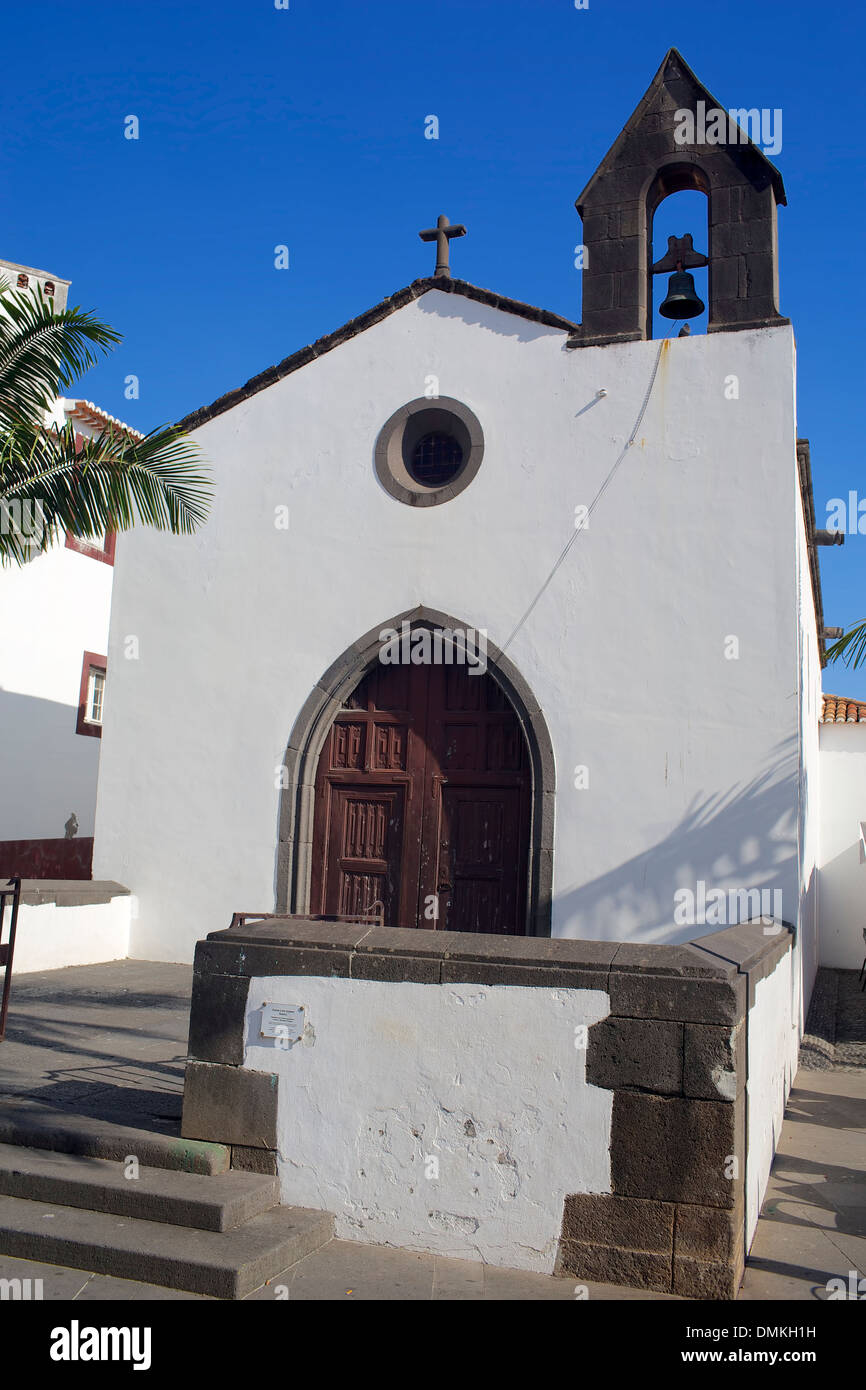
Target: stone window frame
(402, 431)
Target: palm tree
(86, 487)
(852, 647)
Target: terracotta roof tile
(90, 414)
(839, 710)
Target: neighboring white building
(842, 859)
(54, 615)
(26, 278)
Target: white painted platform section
(485, 1080)
(50, 936)
(773, 1042)
(841, 875)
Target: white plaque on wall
(283, 1021)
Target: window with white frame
(91, 697)
(95, 692)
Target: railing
(375, 913)
(7, 949)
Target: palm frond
(851, 648)
(43, 352)
(105, 483)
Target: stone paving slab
(813, 1221)
(344, 1271)
(835, 1034)
(99, 1039)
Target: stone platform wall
(607, 1081)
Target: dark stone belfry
(644, 165)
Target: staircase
(220, 1233)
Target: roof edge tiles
(366, 320)
(838, 709)
(90, 414)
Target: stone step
(210, 1203)
(223, 1264)
(37, 1126)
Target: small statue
(71, 826)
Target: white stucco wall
(841, 876)
(50, 936)
(692, 757)
(52, 611)
(485, 1080)
(773, 1042)
(10, 270)
(806, 947)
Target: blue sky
(305, 127)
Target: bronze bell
(682, 300)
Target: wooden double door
(423, 804)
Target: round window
(436, 459)
(429, 451)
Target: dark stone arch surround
(294, 853)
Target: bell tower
(679, 138)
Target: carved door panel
(422, 803)
(366, 832)
(365, 840)
(475, 833)
(479, 860)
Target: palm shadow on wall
(745, 837)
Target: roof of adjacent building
(31, 270)
(840, 710)
(90, 414)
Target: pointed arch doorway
(323, 736)
(422, 803)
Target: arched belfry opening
(679, 139)
(677, 239)
(419, 793)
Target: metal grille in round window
(429, 450)
(436, 459)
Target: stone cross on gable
(442, 234)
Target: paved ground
(101, 1040)
(835, 1035)
(110, 1041)
(813, 1221)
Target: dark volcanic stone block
(677, 997)
(456, 972)
(397, 969)
(697, 1279)
(254, 1160)
(611, 1265)
(711, 1234)
(216, 1018)
(714, 1061)
(636, 1053)
(631, 1223)
(675, 1149)
(230, 1105)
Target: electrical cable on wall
(628, 444)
